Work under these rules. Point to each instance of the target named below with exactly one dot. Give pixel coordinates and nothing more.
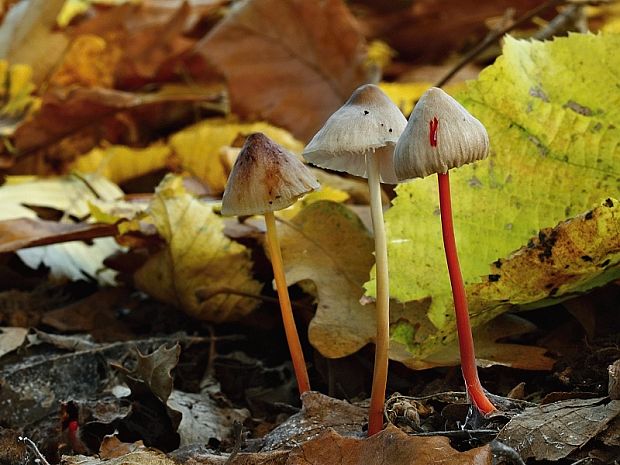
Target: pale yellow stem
(380, 373)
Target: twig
(491, 38)
(237, 428)
(41, 458)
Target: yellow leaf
(16, 89)
(119, 163)
(198, 147)
(90, 61)
(197, 257)
(406, 94)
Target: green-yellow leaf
(196, 257)
(552, 111)
(327, 245)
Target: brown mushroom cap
(368, 122)
(265, 178)
(440, 135)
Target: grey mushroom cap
(440, 135)
(367, 123)
(265, 178)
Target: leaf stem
(292, 338)
(466, 340)
(380, 372)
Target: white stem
(377, 398)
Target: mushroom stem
(380, 373)
(466, 340)
(292, 338)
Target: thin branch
(491, 38)
(41, 458)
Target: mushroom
(440, 135)
(266, 178)
(359, 138)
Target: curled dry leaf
(305, 71)
(554, 431)
(389, 446)
(196, 256)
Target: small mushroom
(359, 138)
(441, 135)
(266, 178)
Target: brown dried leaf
(554, 431)
(26, 232)
(89, 114)
(389, 446)
(291, 63)
(427, 31)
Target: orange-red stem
(292, 338)
(466, 340)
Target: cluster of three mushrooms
(362, 138)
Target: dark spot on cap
(278, 196)
(382, 124)
(498, 263)
(605, 263)
(270, 202)
(589, 215)
(494, 278)
(553, 292)
(586, 258)
(390, 129)
(366, 112)
(609, 203)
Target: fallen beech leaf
(196, 256)
(547, 136)
(11, 338)
(489, 351)
(138, 457)
(89, 62)
(69, 195)
(327, 244)
(26, 232)
(554, 431)
(389, 446)
(198, 147)
(423, 32)
(319, 413)
(111, 447)
(305, 72)
(119, 163)
(204, 418)
(16, 91)
(64, 113)
(27, 36)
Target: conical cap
(368, 122)
(440, 135)
(265, 178)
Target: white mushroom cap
(440, 135)
(265, 178)
(368, 122)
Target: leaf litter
(180, 358)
